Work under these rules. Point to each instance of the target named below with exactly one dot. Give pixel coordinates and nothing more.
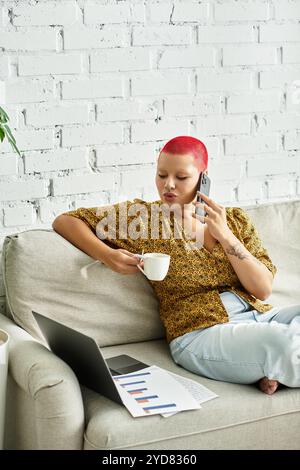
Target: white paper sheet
(198, 391)
(152, 391)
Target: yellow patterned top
(189, 295)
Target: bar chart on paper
(153, 391)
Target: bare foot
(268, 386)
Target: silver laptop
(85, 358)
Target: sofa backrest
(278, 225)
(44, 272)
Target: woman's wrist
(103, 252)
(227, 237)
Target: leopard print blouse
(189, 295)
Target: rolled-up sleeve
(111, 224)
(91, 215)
(251, 239)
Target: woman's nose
(170, 184)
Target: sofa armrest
(51, 384)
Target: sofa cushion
(279, 227)
(242, 417)
(44, 272)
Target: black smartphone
(204, 187)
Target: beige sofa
(46, 406)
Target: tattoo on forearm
(238, 250)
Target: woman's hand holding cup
(154, 266)
(122, 261)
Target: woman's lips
(170, 197)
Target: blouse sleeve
(111, 224)
(91, 215)
(251, 239)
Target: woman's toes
(268, 386)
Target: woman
(211, 299)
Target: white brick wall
(125, 58)
(252, 145)
(29, 90)
(95, 88)
(242, 11)
(53, 115)
(54, 64)
(254, 102)
(23, 190)
(45, 13)
(85, 38)
(84, 183)
(37, 39)
(221, 79)
(38, 162)
(92, 135)
(226, 34)
(291, 54)
(249, 55)
(9, 165)
(279, 33)
(108, 14)
(194, 56)
(161, 35)
(286, 10)
(161, 83)
(18, 216)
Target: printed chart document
(153, 391)
(198, 391)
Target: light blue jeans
(250, 346)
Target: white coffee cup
(156, 266)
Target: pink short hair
(185, 144)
